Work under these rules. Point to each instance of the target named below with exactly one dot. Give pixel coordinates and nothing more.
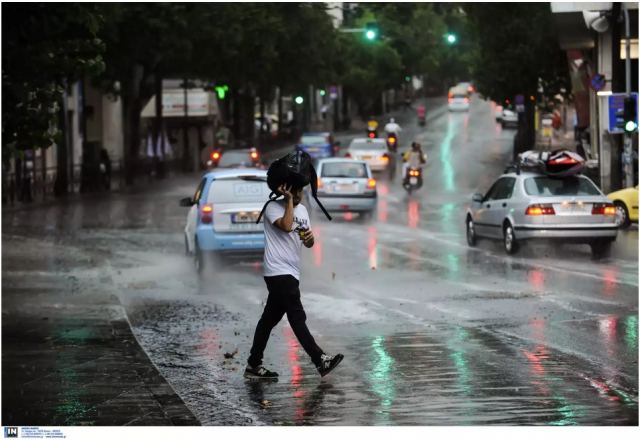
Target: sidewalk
(69, 356)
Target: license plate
(575, 208)
(366, 157)
(244, 218)
(413, 181)
(344, 188)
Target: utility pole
(627, 155)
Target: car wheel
(622, 215)
(600, 248)
(511, 245)
(471, 233)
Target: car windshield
(365, 145)
(238, 189)
(459, 96)
(344, 170)
(235, 159)
(313, 140)
(572, 186)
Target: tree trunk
(262, 120)
(186, 159)
(61, 186)
(157, 126)
(235, 110)
(90, 173)
(280, 113)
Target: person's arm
(285, 223)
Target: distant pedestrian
(286, 228)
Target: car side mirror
(186, 202)
(477, 197)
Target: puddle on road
(449, 376)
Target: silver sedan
(528, 205)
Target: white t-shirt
(282, 250)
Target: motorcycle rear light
(371, 183)
(392, 139)
(215, 156)
(207, 214)
(254, 155)
(604, 209)
(540, 210)
(385, 157)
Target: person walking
(286, 228)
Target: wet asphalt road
(433, 332)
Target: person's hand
(307, 238)
(286, 191)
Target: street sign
(333, 92)
(519, 103)
(598, 81)
(616, 111)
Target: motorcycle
(392, 142)
(413, 179)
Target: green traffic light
(630, 126)
(371, 34)
(221, 91)
(322, 92)
(299, 100)
(451, 38)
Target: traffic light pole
(627, 156)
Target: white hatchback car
(223, 213)
(373, 151)
(346, 185)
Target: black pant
(284, 297)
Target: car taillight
(372, 135)
(207, 214)
(604, 209)
(385, 157)
(466, 100)
(450, 99)
(347, 155)
(254, 155)
(319, 183)
(371, 183)
(540, 210)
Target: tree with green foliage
(45, 48)
(515, 58)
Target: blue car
(223, 213)
(317, 144)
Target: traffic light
(299, 100)
(630, 114)
(451, 38)
(371, 31)
(222, 91)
